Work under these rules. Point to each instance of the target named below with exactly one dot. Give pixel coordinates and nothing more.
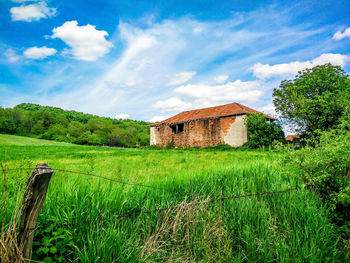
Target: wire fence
(156, 210)
(139, 212)
(101, 177)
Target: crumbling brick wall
(208, 132)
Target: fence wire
(156, 210)
(159, 210)
(101, 177)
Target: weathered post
(33, 201)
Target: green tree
(56, 124)
(315, 99)
(76, 129)
(262, 131)
(38, 127)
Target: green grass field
(6, 139)
(79, 222)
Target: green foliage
(326, 168)
(69, 126)
(170, 145)
(315, 99)
(52, 244)
(262, 131)
(220, 147)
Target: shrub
(326, 168)
(262, 131)
(170, 145)
(220, 147)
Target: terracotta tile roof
(207, 113)
(292, 137)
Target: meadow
(80, 220)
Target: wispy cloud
(122, 116)
(250, 49)
(11, 55)
(39, 52)
(340, 35)
(181, 78)
(221, 79)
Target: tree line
(53, 123)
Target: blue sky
(148, 60)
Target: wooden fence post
(33, 200)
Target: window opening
(177, 128)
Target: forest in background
(53, 123)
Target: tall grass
(287, 227)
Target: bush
(262, 131)
(326, 168)
(220, 147)
(152, 147)
(170, 145)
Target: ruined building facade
(203, 127)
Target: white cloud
(221, 79)
(39, 52)
(32, 12)
(340, 35)
(210, 95)
(197, 30)
(122, 116)
(181, 78)
(151, 54)
(263, 71)
(159, 118)
(130, 83)
(23, 1)
(142, 60)
(11, 55)
(268, 109)
(172, 105)
(86, 42)
(202, 95)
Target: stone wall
(230, 130)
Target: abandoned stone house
(204, 127)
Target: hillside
(53, 123)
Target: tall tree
(315, 99)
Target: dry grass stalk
(9, 250)
(178, 231)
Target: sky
(148, 60)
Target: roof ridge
(206, 108)
(241, 106)
(209, 112)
